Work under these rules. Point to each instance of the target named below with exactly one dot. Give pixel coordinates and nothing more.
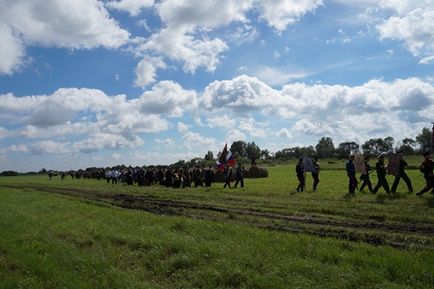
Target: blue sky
(98, 83)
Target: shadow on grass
(430, 202)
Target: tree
(325, 147)
(265, 154)
(209, 156)
(389, 143)
(408, 146)
(238, 148)
(376, 146)
(253, 151)
(424, 139)
(347, 148)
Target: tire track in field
(410, 235)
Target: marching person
(351, 173)
(228, 175)
(381, 175)
(239, 176)
(315, 174)
(299, 169)
(365, 176)
(402, 174)
(426, 168)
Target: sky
(88, 83)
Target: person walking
(351, 173)
(365, 177)
(299, 169)
(427, 168)
(402, 174)
(315, 174)
(239, 176)
(228, 175)
(381, 175)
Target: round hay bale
(256, 172)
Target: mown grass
(53, 241)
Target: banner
(308, 165)
(393, 165)
(359, 164)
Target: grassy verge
(50, 241)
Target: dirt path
(399, 235)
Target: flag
(224, 158)
(223, 154)
(230, 160)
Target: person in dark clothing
(315, 174)
(381, 175)
(351, 173)
(365, 177)
(299, 169)
(427, 167)
(239, 176)
(403, 175)
(228, 176)
(209, 176)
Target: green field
(90, 234)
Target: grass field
(90, 234)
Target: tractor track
(400, 235)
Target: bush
(8, 174)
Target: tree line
(325, 148)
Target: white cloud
(320, 110)
(223, 121)
(133, 7)
(193, 139)
(250, 126)
(167, 142)
(183, 128)
(285, 133)
(146, 70)
(235, 135)
(276, 76)
(181, 46)
(11, 50)
(50, 147)
(282, 13)
(168, 98)
(72, 24)
(106, 141)
(413, 23)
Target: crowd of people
(167, 176)
(426, 167)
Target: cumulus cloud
(167, 98)
(412, 22)
(72, 24)
(285, 133)
(327, 109)
(282, 13)
(167, 142)
(194, 139)
(91, 120)
(146, 70)
(184, 36)
(11, 50)
(133, 7)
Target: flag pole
(432, 137)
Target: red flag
(231, 160)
